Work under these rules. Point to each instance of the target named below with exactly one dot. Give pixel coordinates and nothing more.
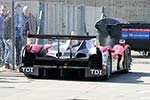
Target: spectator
(7, 40)
(30, 23)
(2, 26)
(18, 26)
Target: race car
(83, 59)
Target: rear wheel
(127, 61)
(95, 62)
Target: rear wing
(72, 37)
(65, 37)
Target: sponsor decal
(96, 72)
(27, 69)
(135, 33)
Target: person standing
(29, 23)
(7, 40)
(2, 10)
(18, 26)
(2, 27)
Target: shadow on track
(129, 78)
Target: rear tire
(95, 62)
(127, 62)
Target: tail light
(28, 48)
